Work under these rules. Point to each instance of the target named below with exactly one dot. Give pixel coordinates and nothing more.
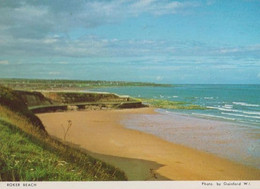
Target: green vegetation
(171, 104)
(13, 101)
(37, 84)
(27, 152)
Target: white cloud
(32, 28)
(239, 49)
(228, 50)
(54, 73)
(49, 41)
(210, 2)
(159, 78)
(156, 7)
(62, 62)
(44, 17)
(36, 28)
(4, 62)
(102, 47)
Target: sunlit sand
(101, 132)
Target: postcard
(130, 94)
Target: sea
(229, 126)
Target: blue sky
(164, 41)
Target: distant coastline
(71, 85)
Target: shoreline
(102, 133)
(217, 137)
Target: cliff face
(33, 98)
(49, 98)
(74, 97)
(16, 103)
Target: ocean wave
(241, 115)
(213, 116)
(209, 98)
(228, 106)
(245, 104)
(222, 109)
(232, 110)
(252, 113)
(175, 96)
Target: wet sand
(239, 143)
(101, 132)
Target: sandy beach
(101, 132)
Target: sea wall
(41, 102)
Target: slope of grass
(28, 153)
(21, 159)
